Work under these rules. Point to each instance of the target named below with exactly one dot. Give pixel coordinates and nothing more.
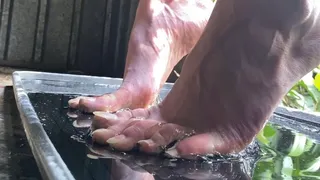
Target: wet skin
(163, 33)
(248, 56)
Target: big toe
(108, 102)
(204, 144)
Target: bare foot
(163, 32)
(251, 53)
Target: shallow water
(283, 154)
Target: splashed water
(139, 118)
(122, 110)
(78, 138)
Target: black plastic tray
(48, 159)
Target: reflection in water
(174, 168)
(82, 121)
(287, 155)
(284, 154)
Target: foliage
(297, 157)
(305, 94)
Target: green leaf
(316, 81)
(298, 146)
(313, 166)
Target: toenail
(91, 156)
(104, 131)
(97, 131)
(149, 142)
(105, 115)
(172, 153)
(89, 99)
(72, 101)
(116, 139)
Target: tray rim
(49, 161)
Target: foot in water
(250, 54)
(163, 33)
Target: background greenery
(288, 154)
(305, 94)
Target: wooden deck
(16, 160)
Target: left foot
(225, 97)
(163, 32)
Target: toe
(107, 125)
(105, 119)
(101, 136)
(101, 103)
(195, 145)
(73, 103)
(139, 113)
(202, 144)
(108, 102)
(161, 135)
(87, 104)
(130, 136)
(121, 130)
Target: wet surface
(65, 128)
(284, 154)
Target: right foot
(163, 32)
(230, 83)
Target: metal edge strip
(298, 115)
(166, 86)
(42, 148)
(304, 128)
